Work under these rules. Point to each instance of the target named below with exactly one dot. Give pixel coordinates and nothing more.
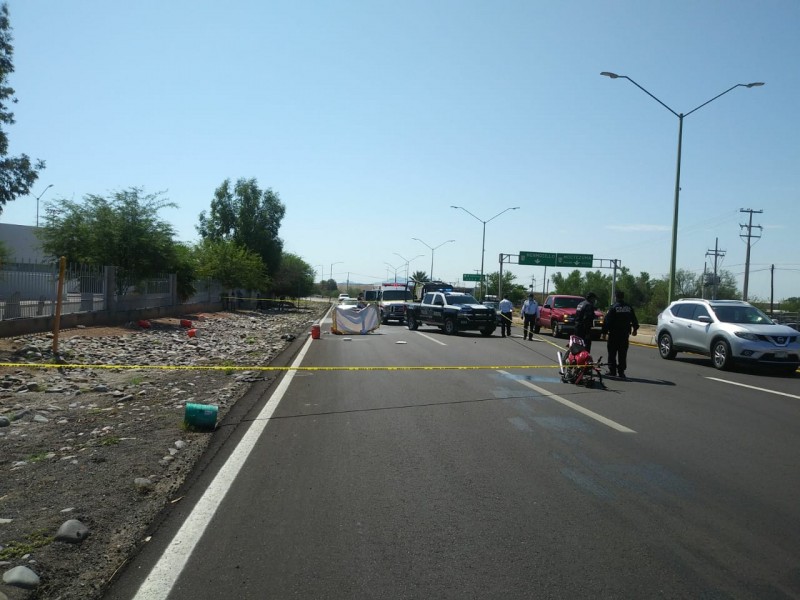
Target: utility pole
(716, 253)
(772, 290)
(748, 237)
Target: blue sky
(370, 119)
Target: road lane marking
(165, 572)
(576, 407)
(433, 339)
(752, 387)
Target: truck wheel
(412, 323)
(450, 327)
(487, 332)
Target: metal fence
(31, 290)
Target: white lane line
(572, 405)
(166, 571)
(433, 339)
(752, 387)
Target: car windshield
(741, 314)
(567, 302)
(461, 299)
(390, 295)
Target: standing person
(584, 319)
(619, 323)
(530, 310)
(506, 313)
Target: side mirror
(704, 319)
(546, 306)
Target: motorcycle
(576, 366)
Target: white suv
(729, 331)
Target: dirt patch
(108, 446)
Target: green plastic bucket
(202, 417)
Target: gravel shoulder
(106, 445)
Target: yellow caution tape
(260, 368)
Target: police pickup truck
(451, 312)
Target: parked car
(729, 331)
(343, 296)
(348, 303)
(558, 315)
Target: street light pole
(680, 116)
(433, 250)
(483, 240)
(37, 202)
(395, 269)
(407, 261)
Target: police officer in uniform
(584, 319)
(506, 313)
(619, 323)
(530, 310)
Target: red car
(558, 315)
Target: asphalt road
(496, 482)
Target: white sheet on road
(349, 320)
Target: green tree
(515, 292)
(600, 284)
(726, 288)
(687, 284)
(123, 230)
(295, 277)
(791, 304)
(419, 277)
(17, 173)
(247, 216)
(571, 285)
(234, 266)
(185, 270)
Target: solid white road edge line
(752, 387)
(166, 571)
(572, 405)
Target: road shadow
(763, 370)
(630, 379)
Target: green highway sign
(471, 277)
(537, 259)
(575, 260)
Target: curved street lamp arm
(615, 76)
(442, 244)
(747, 85)
(421, 242)
(504, 211)
(469, 213)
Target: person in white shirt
(506, 312)
(530, 310)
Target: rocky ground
(90, 455)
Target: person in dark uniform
(619, 323)
(584, 319)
